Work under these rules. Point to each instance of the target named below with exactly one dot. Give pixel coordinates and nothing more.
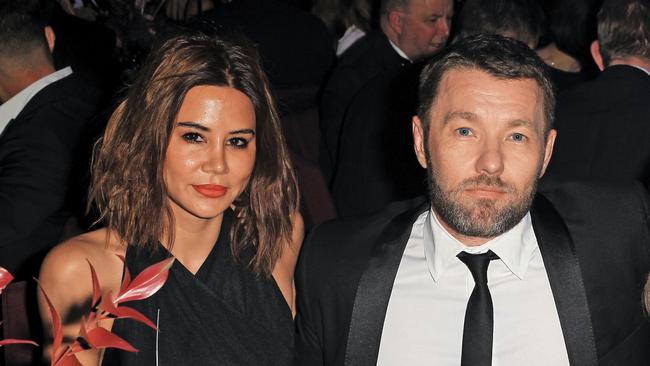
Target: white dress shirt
(12, 107)
(426, 310)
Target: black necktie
(479, 318)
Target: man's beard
(482, 218)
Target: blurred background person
(522, 20)
(604, 125)
(571, 29)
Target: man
(486, 271)
(411, 30)
(42, 118)
(604, 124)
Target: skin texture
(487, 147)
(213, 142)
(422, 27)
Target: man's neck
(639, 62)
(14, 79)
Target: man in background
(42, 120)
(604, 125)
(410, 30)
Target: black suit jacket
(369, 57)
(376, 162)
(603, 129)
(37, 152)
(594, 242)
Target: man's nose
(444, 24)
(490, 160)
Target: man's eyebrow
(195, 125)
(243, 131)
(520, 123)
(468, 116)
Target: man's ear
(395, 21)
(548, 150)
(50, 37)
(597, 56)
(419, 141)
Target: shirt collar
(515, 247)
(12, 107)
(399, 51)
(640, 68)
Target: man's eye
(464, 131)
(237, 142)
(517, 137)
(193, 137)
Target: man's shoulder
(599, 201)
(70, 98)
(614, 84)
(352, 237)
(369, 55)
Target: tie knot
(478, 264)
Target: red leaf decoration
(5, 278)
(69, 360)
(121, 312)
(147, 283)
(17, 341)
(56, 325)
(97, 290)
(126, 279)
(126, 312)
(102, 338)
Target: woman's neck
(194, 238)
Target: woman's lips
(211, 190)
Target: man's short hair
(624, 29)
(21, 26)
(501, 57)
(389, 5)
(520, 19)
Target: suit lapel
(374, 289)
(565, 276)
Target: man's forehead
(458, 84)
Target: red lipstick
(211, 190)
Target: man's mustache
(487, 181)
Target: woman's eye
(517, 137)
(464, 131)
(193, 137)
(238, 142)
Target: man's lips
(210, 190)
(486, 191)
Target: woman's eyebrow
(198, 126)
(243, 131)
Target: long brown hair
(127, 185)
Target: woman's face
(211, 152)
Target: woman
(192, 164)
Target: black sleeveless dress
(223, 315)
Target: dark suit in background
(38, 151)
(295, 46)
(364, 61)
(594, 241)
(376, 163)
(603, 129)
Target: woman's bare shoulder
(69, 261)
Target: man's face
(424, 27)
(485, 152)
